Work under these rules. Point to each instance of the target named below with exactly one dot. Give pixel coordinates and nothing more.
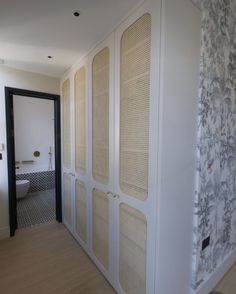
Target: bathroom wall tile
(39, 181)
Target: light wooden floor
(45, 259)
(228, 284)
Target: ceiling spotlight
(76, 14)
(49, 57)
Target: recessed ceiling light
(76, 14)
(49, 57)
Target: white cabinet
(134, 205)
(66, 154)
(112, 131)
(101, 134)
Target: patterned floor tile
(36, 208)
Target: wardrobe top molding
(143, 5)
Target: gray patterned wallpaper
(215, 198)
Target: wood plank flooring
(45, 259)
(228, 283)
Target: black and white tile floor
(36, 208)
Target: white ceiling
(30, 30)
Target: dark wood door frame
(9, 92)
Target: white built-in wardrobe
(129, 117)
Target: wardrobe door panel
(132, 262)
(100, 113)
(80, 121)
(67, 199)
(132, 155)
(81, 207)
(101, 154)
(66, 124)
(101, 227)
(134, 108)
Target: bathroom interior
(34, 160)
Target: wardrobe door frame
(147, 207)
(66, 170)
(106, 188)
(82, 178)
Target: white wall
(34, 131)
(181, 31)
(24, 80)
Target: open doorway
(34, 165)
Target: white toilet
(22, 188)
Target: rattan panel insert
(80, 121)
(133, 231)
(67, 198)
(66, 124)
(100, 84)
(134, 108)
(101, 227)
(81, 203)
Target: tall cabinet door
(67, 154)
(134, 200)
(81, 163)
(101, 156)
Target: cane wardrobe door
(81, 182)
(132, 153)
(101, 154)
(67, 154)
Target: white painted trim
(4, 233)
(217, 275)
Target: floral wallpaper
(215, 196)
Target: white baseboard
(4, 233)
(217, 275)
(69, 227)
